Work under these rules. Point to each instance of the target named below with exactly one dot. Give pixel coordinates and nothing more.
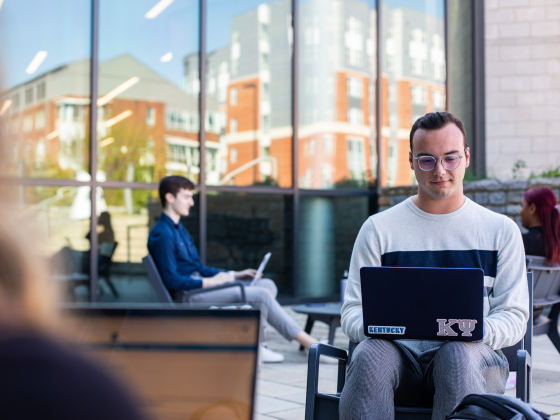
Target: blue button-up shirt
(176, 257)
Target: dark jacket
(176, 257)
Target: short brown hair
(435, 121)
(172, 184)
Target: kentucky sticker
(374, 329)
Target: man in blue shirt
(179, 265)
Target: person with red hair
(539, 214)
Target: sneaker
(269, 356)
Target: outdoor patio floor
(281, 387)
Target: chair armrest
(524, 376)
(315, 351)
(187, 295)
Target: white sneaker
(269, 356)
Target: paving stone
(297, 414)
(258, 416)
(267, 405)
(552, 410)
(292, 376)
(275, 389)
(299, 397)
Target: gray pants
(262, 292)
(382, 375)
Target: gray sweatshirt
(470, 237)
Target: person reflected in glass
(107, 235)
(540, 216)
(179, 265)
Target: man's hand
(218, 279)
(247, 274)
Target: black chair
(546, 295)
(76, 267)
(104, 263)
(325, 406)
(183, 296)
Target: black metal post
(446, 49)
(479, 111)
(378, 96)
(295, 185)
(202, 132)
(93, 149)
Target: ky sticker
(465, 325)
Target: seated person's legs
(275, 315)
(378, 376)
(269, 285)
(460, 369)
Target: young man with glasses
(439, 227)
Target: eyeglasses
(428, 163)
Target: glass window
(46, 57)
(150, 116)
(413, 68)
(233, 96)
(337, 92)
(327, 232)
(249, 54)
(148, 89)
(60, 216)
(242, 228)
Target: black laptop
(423, 303)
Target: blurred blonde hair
(27, 295)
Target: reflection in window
(356, 159)
(250, 58)
(40, 119)
(150, 116)
(46, 66)
(413, 68)
(328, 144)
(233, 96)
(148, 90)
(438, 100)
(327, 231)
(355, 116)
(418, 95)
(242, 228)
(355, 87)
(337, 94)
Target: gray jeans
(262, 292)
(382, 375)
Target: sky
(62, 28)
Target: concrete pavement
(281, 387)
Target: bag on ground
(495, 407)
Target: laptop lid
(261, 268)
(179, 362)
(423, 303)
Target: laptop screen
(180, 363)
